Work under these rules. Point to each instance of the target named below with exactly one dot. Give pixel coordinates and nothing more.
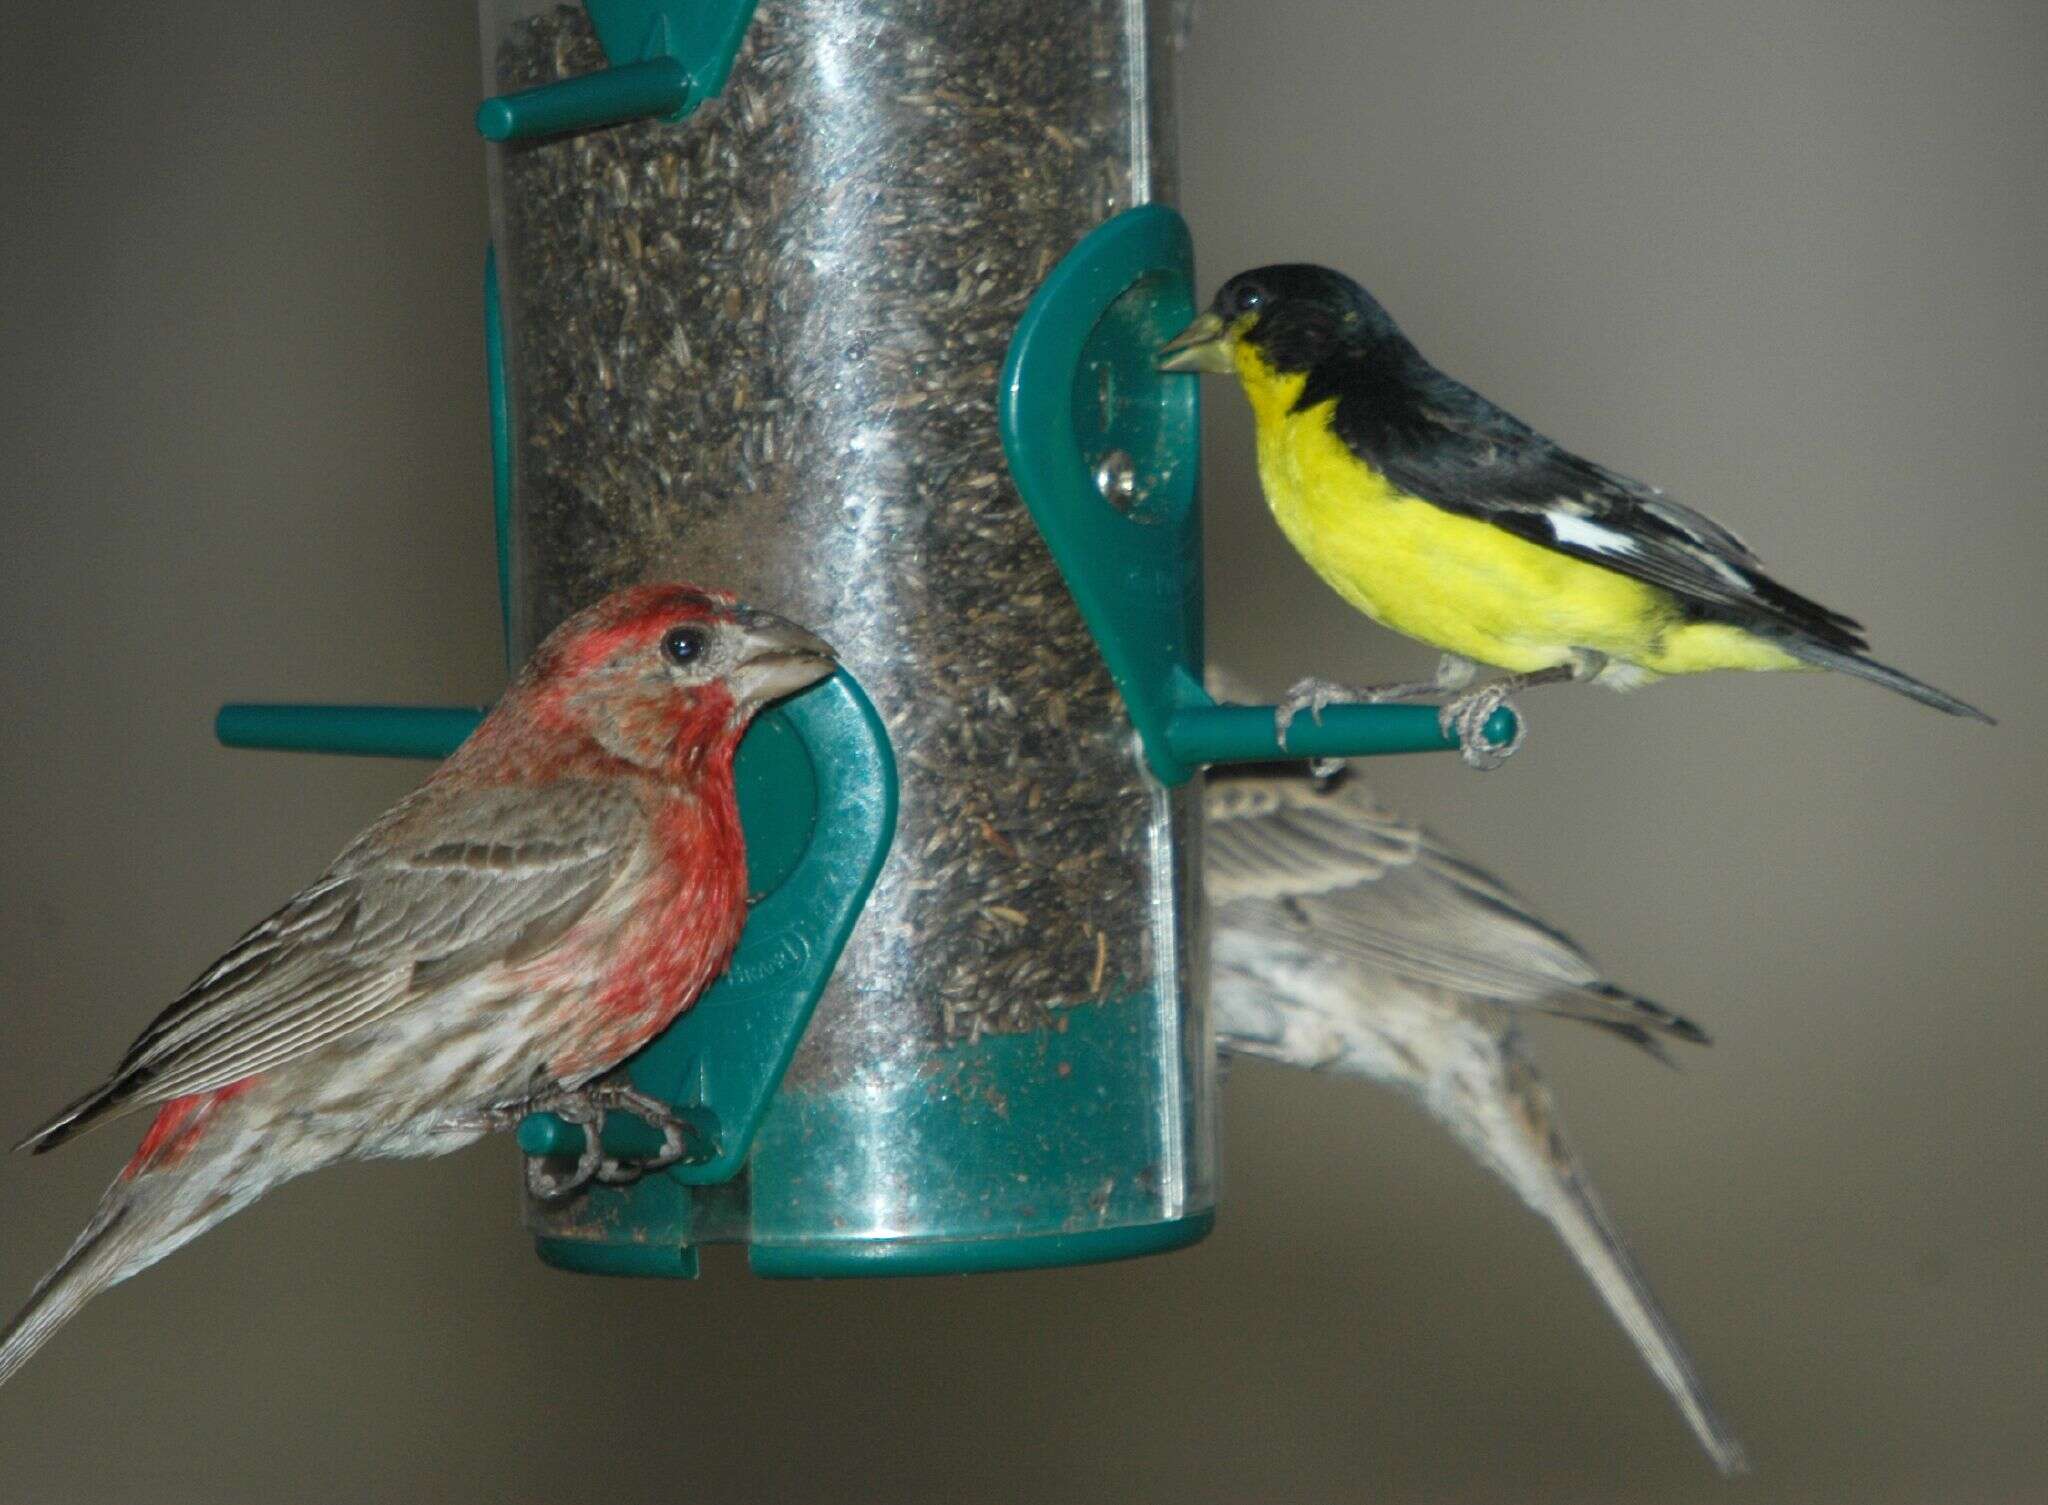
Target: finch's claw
(1465, 719)
(1312, 695)
(679, 1137)
(573, 1108)
(586, 1108)
(1317, 695)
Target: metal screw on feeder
(762, 349)
(1116, 477)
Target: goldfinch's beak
(1199, 347)
(778, 658)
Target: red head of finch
(561, 888)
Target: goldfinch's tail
(1824, 657)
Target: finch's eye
(682, 646)
(1246, 299)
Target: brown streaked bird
(1348, 940)
(558, 891)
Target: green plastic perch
(1244, 734)
(667, 57)
(1209, 733)
(372, 731)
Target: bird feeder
(850, 307)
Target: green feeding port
(817, 788)
(1104, 448)
(667, 57)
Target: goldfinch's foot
(1465, 719)
(1317, 695)
(586, 1108)
(1314, 696)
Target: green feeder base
(976, 1257)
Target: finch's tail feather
(1591, 1236)
(100, 1258)
(71, 1120)
(182, 1180)
(1633, 1018)
(1535, 1160)
(1639, 1037)
(1824, 657)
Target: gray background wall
(1786, 259)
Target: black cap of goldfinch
(1292, 314)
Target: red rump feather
(177, 1127)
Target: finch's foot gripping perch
(1317, 695)
(1465, 717)
(586, 1107)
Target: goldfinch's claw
(1317, 695)
(1465, 719)
(1314, 696)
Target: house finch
(1346, 939)
(561, 888)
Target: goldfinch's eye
(1246, 299)
(682, 646)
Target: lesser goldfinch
(1346, 939)
(1445, 518)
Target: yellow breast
(1455, 582)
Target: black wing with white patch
(1436, 439)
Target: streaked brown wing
(444, 885)
(1337, 871)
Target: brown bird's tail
(1537, 1162)
(1625, 1014)
(180, 1183)
(102, 1256)
(1821, 656)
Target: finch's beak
(1199, 347)
(778, 658)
